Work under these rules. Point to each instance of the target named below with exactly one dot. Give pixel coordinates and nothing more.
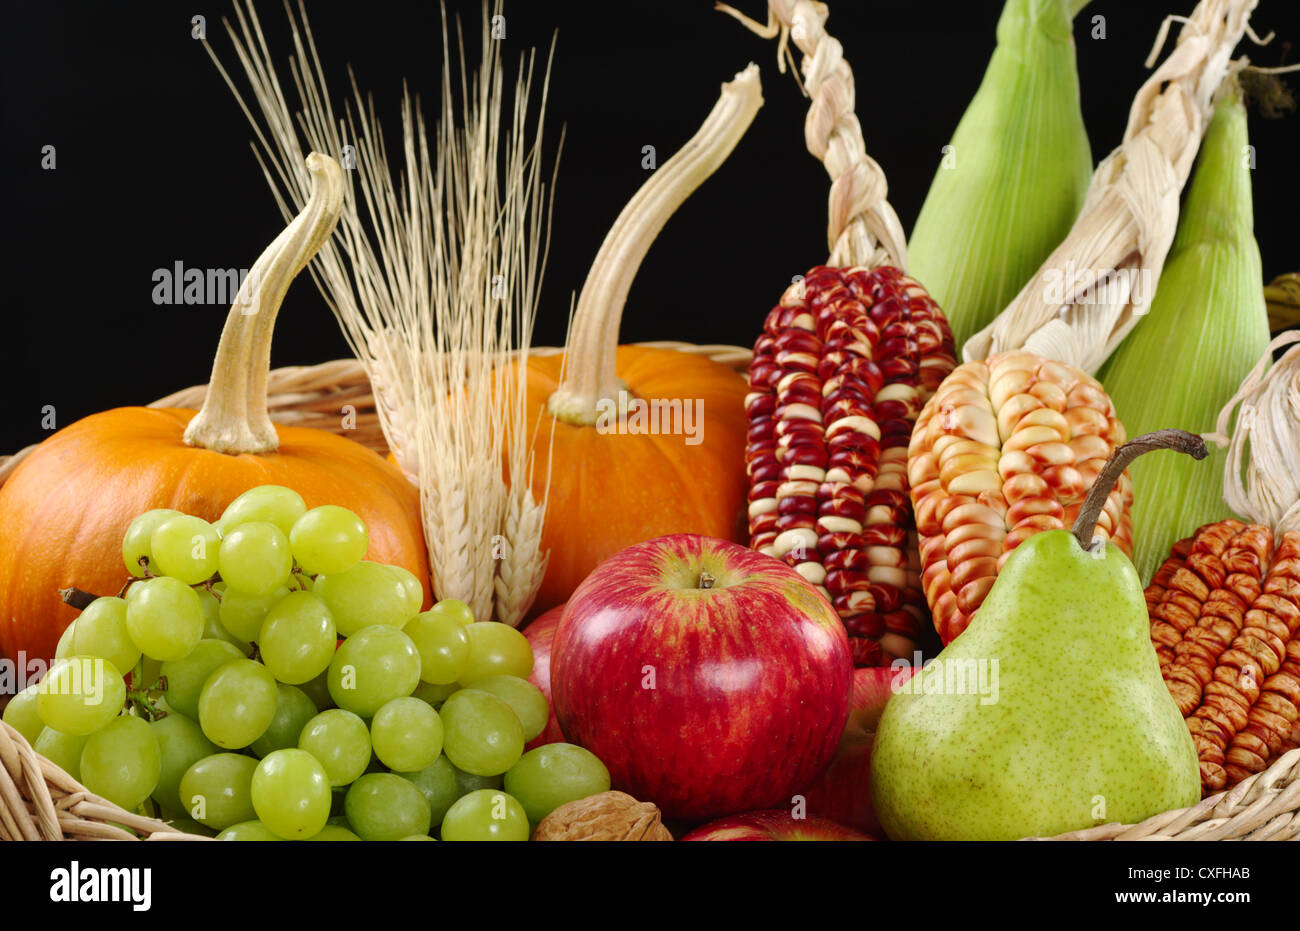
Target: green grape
(329, 539)
(381, 806)
(552, 775)
(368, 594)
(186, 677)
(122, 762)
(304, 582)
(524, 698)
(63, 750)
(255, 558)
(443, 645)
(242, 614)
(80, 694)
(237, 704)
(291, 794)
(184, 824)
(275, 503)
(185, 547)
(249, 830)
(101, 631)
(182, 744)
(406, 734)
(22, 716)
(63, 649)
(454, 607)
(164, 618)
(438, 783)
(341, 741)
(469, 782)
(213, 629)
(481, 734)
(217, 790)
(297, 639)
(293, 709)
(411, 586)
(488, 814)
(135, 544)
(418, 837)
(496, 649)
(318, 690)
(333, 832)
(372, 667)
(434, 695)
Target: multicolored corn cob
(1225, 611)
(1006, 448)
(845, 363)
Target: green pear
(1047, 714)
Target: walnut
(607, 816)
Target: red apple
(841, 792)
(709, 678)
(540, 634)
(773, 825)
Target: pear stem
(1177, 440)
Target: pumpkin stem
(233, 418)
(590, 375)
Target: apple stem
(1177, 440)
(706, 580)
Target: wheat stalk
(435, 281)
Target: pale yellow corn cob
(1004, 449)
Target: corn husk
(1205, 330)
(1097, 284)
(1262, 481)
(1014, 175)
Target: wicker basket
(39, 801)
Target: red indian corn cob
(1225, 611)
(1006, 448)
(840, 372)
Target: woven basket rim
(290, 388)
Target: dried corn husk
(1206, 328)
(1283, 298)
(1097, 284)
(1014, 176)
(1265, 486)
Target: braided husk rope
(39, 801)
(863, 229)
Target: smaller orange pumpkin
(66, 507)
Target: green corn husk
(1021, 167)
(1205, 330)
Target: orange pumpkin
(644, 441)
(65, 509)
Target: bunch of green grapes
(261, 681)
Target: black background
(154, 165)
